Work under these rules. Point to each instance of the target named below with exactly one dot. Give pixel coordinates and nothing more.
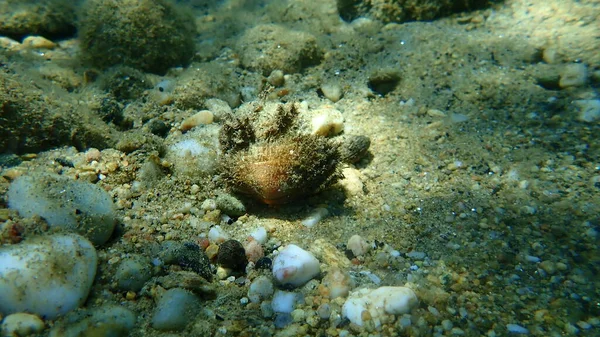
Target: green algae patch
(150, 35)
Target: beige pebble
(201, 118)
(8, 43)
(338, 283)
(548, 266)
(218, 107)
(332, 91)
(573, 75)
(38, 42)
(550, 55)
(327, 122)
(351, 182)
(436, 113)
(276, 78)
(212, 250)
(21, 324)
(358, 245)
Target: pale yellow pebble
(573, 75)
(211, 251)
(130, 295)
(351, 182)
(9, 44)
(561, 266)
(21, 324)
(200, 118)
(276, 78)
(38, 42)
(194, 189)
(327, 122)
(551, 55)
(436, 113)
(332, 91)
(298, 315)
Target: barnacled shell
(267, 160)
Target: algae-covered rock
(404, 10)
(35, 116)
(37, 17)
(271, 47)
(73, 205)
(151, 35)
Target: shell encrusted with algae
(273, 163)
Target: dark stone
(158, 127)
(187, 255)
(263, 263)
(232, 255)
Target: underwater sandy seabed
(480, 188)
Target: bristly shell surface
(282, 170)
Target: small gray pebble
(107, 320)
(175, 309)
(132, 273)
(230, 205)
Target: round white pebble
(315, 216)
(358, 245)
(260, 289)
(295, 266)
(217, 235)
(260, 235)
(283, 301)
(378, 302)
(48, 276)
(327, 122)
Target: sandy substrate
(480, 188)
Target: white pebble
(315, 216)
(175, 308)
(260, 235)
(283, 301)
(589, 110)
(332, 91)
(327, 122)
(515, 328)
(358, 245)
(295, 266)
(48, 276)
(378, 302)
(217, 235)
(209, 205)
(416, 255)
(260, 289)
